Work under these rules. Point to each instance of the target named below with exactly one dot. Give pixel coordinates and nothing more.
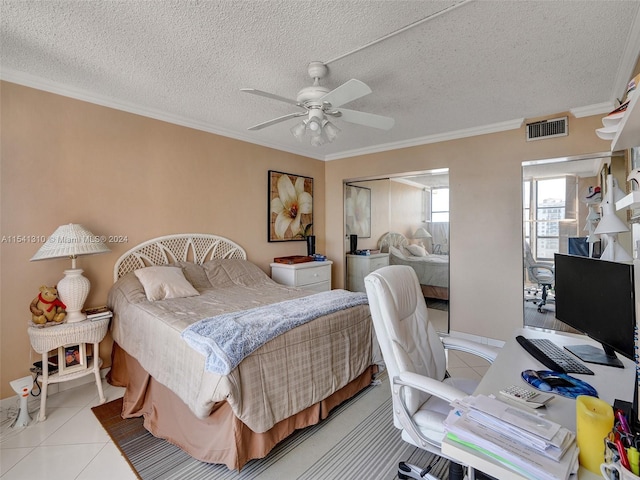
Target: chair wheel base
(407, 471)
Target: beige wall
(67, 161)
(486, 220)
(406, 209)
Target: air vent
(556, 127)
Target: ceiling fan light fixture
(330, 130)
(318, 140)
(299, 129)
(314, 125)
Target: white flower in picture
(358, 211)
(291, 203)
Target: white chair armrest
(542, 266)
(429, 385)
(487, 352)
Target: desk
(611, 383)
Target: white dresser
(314, 276)
(359, 266)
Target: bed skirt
(430, 291)
(221, 437)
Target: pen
(624, 425)
(634, 459)
(622, 452)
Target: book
(96, 313)
(293, 259)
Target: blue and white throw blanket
(226, 339)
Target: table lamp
(420, 234)
(71, 241)
(610, 225)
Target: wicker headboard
(193, 247)
(391, 239)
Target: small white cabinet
(314, 276)
(359, 266)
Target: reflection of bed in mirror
(432, 270)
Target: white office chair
(540, 273)
(415, 358)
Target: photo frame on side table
(289, 207)
(357, 201)
(72, 358)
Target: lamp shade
(71, 241)
(610, 222)
(421, 233)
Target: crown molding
(440, 137)
(595, 109)
(39, 83)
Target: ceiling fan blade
(277, 120)
(367, 119)
(270, 95)
(347, 92)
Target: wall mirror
(401, 219)
(560, 209)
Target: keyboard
(552, 356)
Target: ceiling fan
(318, 102)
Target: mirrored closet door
(401, 220)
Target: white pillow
(398, 252)
(164, 282)
(417, 250)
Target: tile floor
(71, 444)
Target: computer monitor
(597, 297)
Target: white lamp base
(73, 290)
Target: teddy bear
(47, 307)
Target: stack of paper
(527, 443)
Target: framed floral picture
(72, 358)
(357, 202)
(290, 207)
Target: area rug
(371, 450)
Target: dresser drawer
(307, 276)
(377, 263)
(317, 287)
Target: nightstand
(314, 276)
(359, 266)
(43, 340)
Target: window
(440, 204)
(548, 196)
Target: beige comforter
(281, 378)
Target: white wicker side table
(43, 340)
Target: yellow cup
(594, 421)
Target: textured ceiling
(480, 66)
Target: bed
(432, 270)
(290, 382)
